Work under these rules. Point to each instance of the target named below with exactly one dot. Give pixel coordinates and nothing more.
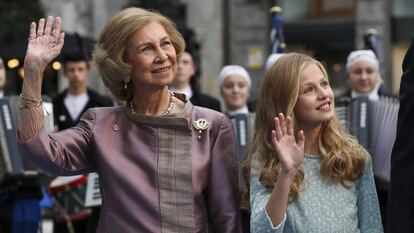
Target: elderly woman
(164, 165)
(364, 75)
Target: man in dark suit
(186, 70)
(68, 107)
(70, 104)
(401, 198)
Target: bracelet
(27, 102)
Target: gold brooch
(200, 125)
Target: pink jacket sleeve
(223, 196)
(67, 152)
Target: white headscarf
(225, 72)
(272, 59)
(232, 70)
(367, 55)
(358, 55)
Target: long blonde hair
(343, 159)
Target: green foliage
(15, 18)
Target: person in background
(182, 83)
(2, 77)
(364, 79)
(234, 84)
(70, 104)
(272, 59)
(20, 210)
(68, 107)
(401, 195)
(269, 62)
(306, 174)
(364, 75)
(164, 165)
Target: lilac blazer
(157, 174)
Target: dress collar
(181, 117)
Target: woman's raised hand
(290, 152)
(45, 43)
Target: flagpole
(276, 34)
(371, 40)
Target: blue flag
(276, 35)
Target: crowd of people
(172, 159)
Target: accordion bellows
(374, 124)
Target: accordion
(374, 124)
(11, 161)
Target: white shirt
(187, 91)
(243, 110)
(75, 104)
(373, 95)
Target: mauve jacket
(157, 174)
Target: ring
(39, 34)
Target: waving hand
(45, 43)
(290, 152)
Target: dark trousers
(245, 221)
(382, 192)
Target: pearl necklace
(166, 112)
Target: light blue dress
(322, 206)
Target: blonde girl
(306, 173)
